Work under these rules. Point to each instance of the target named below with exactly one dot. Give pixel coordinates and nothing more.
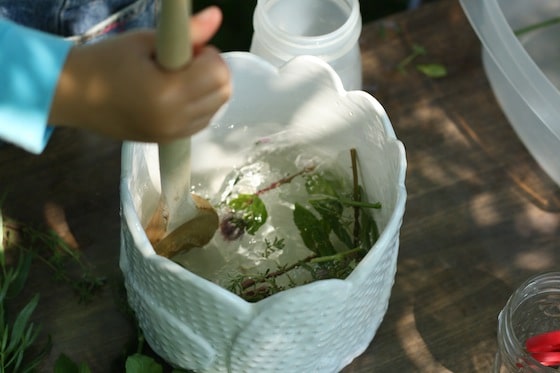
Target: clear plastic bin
(523, 71)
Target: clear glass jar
(328, 29)
(533, 309)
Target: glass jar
(533, 309)
(328, 29)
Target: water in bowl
(264, 243)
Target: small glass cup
(328, 29)
(533, 309)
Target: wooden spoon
(182, 220)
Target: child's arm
(113, 87)
(30, 64)
(116, 88)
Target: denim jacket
(81, 20)
(32, 57)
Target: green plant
(537, 26)
(17, 332)
(19, 335)
(432, 70)
(50, 249)
(321, 221)
(137, 362)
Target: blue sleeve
(30, 65)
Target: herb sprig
(322, 223)
(21, 350)
(50, 249)
(17, 333)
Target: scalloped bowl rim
(141, 240)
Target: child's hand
(115, 87)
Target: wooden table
(481, 215)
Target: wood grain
(481, 215)
(480, 218)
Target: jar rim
(342, 38)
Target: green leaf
(20, 274)
(20, 323)
(5, 282)
(322, 184)
(314, 232)
(369, 232)
(252, 209)
(31, 334)
(331, 211)
(65, 365)
(5, 336)
(32, 364)
(139, 363)
(328, 207)
(18, 359)
(418, 49)
(83, 368)
(432, 70)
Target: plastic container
(523, 72)
(319, 327)
(533, 309)
(328, 29)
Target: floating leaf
(322, 183)
(369, 232)
(252, 210)
(331, 211)
(432, 70)
(314, 232)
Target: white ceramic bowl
(523, 72)
(319, 327)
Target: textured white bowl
(319, 327)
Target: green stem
(417, 50)
(140, 342)
(284, 180)
(349, 202)
(57, 271)
(338, 256)
(356, 195)
(406, 61)
(251, 282)
(537, 26)
(310, 259)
